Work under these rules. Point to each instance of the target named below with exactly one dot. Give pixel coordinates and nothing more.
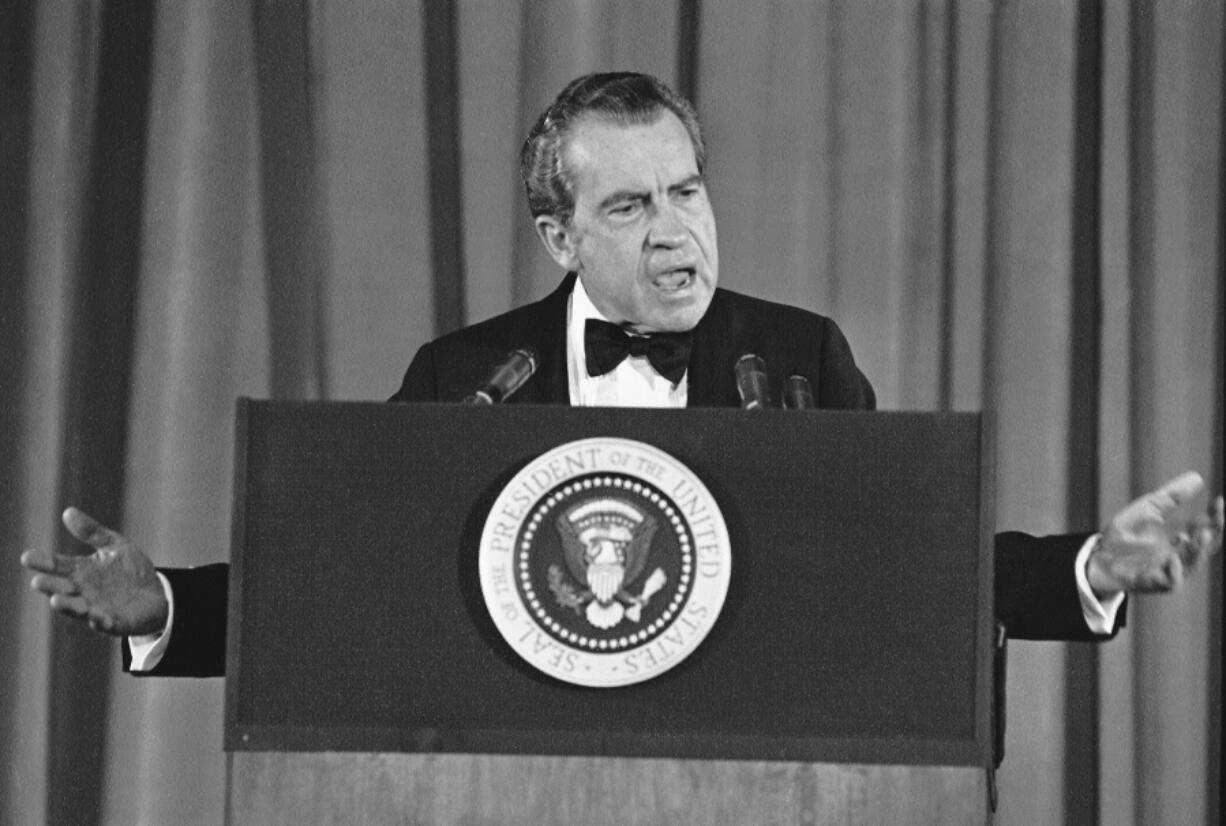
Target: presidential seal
(604, 562)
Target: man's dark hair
(622, 97)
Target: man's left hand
(1151, 544)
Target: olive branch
(566, 596)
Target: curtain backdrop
(1018, 207)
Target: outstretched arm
(115, 589)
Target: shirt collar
(578, 312)
(582, 307)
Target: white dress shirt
(633, 383)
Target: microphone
(798, 394)
(506, 378)
(751, 382)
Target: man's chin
(678, 314)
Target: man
(614, 175)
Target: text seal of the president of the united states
(604, 562)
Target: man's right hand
(115, 589)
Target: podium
(848, 675)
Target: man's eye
(626, 208)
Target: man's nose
(667, 228)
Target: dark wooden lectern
(847, 678)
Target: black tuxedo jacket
(1036, 593)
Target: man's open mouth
(673, 280)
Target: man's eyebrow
(688, 181)
(642, 195)
(622, 195)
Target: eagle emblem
(604, 562)
(606, 542)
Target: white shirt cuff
(1099, 614)
(147, 649)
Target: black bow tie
(607, 346)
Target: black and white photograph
(612, 411)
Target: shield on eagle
(606, 542)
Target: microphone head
(529, 353)
(798, 393)
(507, 377)
(751, 382)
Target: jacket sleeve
(197, 646)
(1035, 585)
(1036, 590)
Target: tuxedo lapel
(716, 341)
(546, 331)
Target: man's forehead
(609, 153)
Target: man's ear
(559, 240)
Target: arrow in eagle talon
(654, 583)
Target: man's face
(642, 236)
